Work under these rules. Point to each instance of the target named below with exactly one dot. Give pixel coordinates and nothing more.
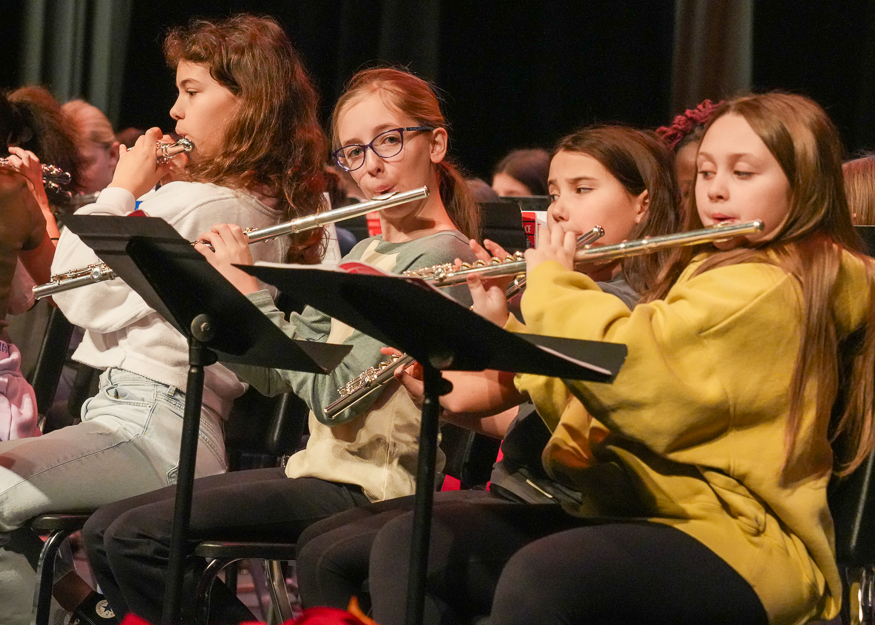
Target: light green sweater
(697, 419)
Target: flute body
(101, 272)
(444, 275)
(448, 275)
(374, 377)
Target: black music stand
(219, 322)
(442, 335)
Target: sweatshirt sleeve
(318, 390)
(105, 306)
(683, 376)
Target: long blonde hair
(808, 245)
(414, 97)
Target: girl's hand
(409, 376)
(553, 244)
(230, 247)
(138, 170)
(27, 164)
(488, 296)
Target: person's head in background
(128, 137)
(522, 173)
(97, 144)
(481, 192)
(684, 136)
(859, 175)
(39, 125)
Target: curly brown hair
(275, 142)
(33, 120)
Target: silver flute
(448, 275)
(166, 151)
(101, 272)
(53, 177)
(373, 378)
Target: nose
(717, 188)
(557, 210)
(373, 164)
(176, 111)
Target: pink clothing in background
(18, 413)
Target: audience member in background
(482, 192)
(128, 137)
(684, 136)
(860, 189)
(98, 147)
(339, 197)
(522, 173)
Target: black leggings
(128, 541)
(536, 564)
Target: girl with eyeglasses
(390, 134)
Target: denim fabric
(126, 445)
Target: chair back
(852, 504)
(502, 222)
(470, 455)
(50, 362)
(260, 429)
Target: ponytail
(458, 201)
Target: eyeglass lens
(385, 145)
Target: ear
(642, 203)
(439, 141)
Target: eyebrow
(734, 155)
(186, 81)
(576, 180)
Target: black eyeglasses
(385, 145)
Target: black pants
(333, 554)
(524, 564)
(128, 541)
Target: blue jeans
(126, 445)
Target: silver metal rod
(381, 202)
(608, 252)
(100, 272)
(368, 382)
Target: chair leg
(45, 574)
(866, 596)
(273, 570)
(204, 585)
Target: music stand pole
(434, 386)
(199, 356)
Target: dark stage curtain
(511, 74)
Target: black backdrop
(521, 73)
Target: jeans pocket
(125, 394)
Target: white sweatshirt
(121, 330)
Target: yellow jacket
(696, 420)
